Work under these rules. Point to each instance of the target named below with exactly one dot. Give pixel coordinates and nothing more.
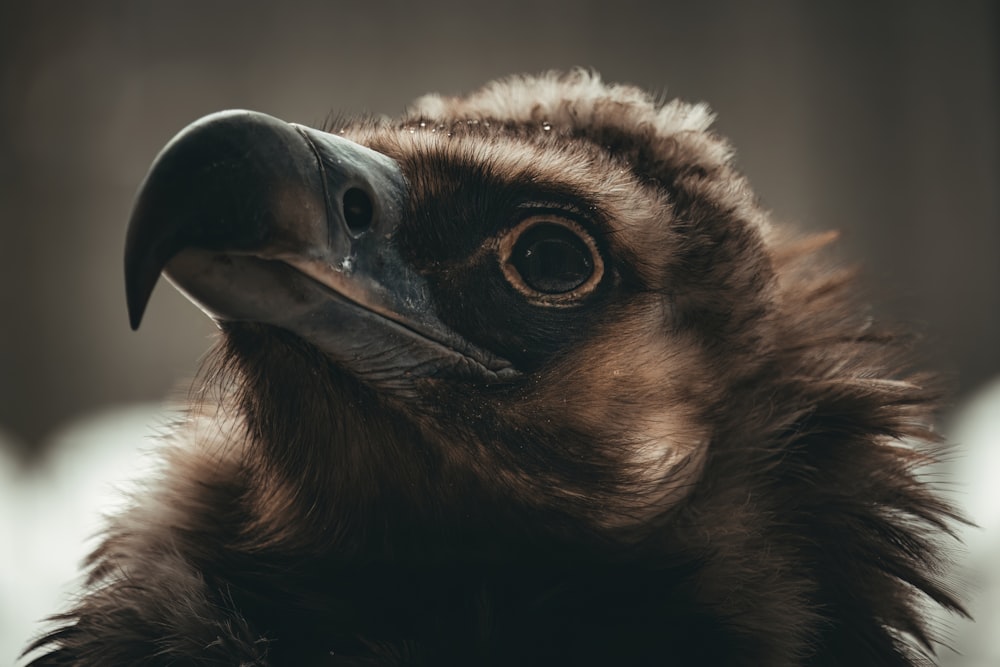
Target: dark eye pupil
(552, 259)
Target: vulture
(525, 377)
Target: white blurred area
(975, 479)
(53, 512)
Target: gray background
(878, 119)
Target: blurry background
(881, 119)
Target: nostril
(358, 210)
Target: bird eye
(551, 260)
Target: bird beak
(258, 220)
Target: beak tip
(136, 298)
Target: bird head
(545, 315)
(545, 288)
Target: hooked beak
(258, 220)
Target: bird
(527, 376)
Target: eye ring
(565, 235)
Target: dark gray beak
(259, 220)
